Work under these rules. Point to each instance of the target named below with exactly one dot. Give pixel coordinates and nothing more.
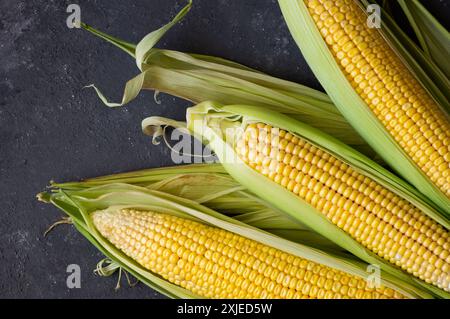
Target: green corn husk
(199, 78)
(434, 39)
(79, 204)
(210, 121)
(351, 105)
(211, 186)
(429, 73)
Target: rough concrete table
(50, 128)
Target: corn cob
(105, 216)
(215, 263)
(377, 218)
(387, 86)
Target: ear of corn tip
(215, 263)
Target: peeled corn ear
(329, 187)
(214, 263)
(376, 91)
(186, 250)
(376, 217)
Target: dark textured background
(50, 128)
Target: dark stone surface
(50, 128)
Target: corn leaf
(433, 37)
(210, 185)
(426, 70)
(198, 78)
